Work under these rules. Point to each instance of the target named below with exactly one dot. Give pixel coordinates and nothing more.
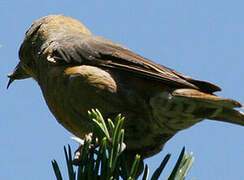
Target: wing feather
(97, 51)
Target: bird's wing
(98, 51)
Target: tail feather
(212, 106)
(196, 95)
(230, 116)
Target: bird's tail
(231, 116)
(212, 106)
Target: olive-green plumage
(77, 71)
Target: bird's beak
(18, 73)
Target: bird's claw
(77, 155)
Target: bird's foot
(78, 153)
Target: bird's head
(37, 38)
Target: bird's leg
(78, 152)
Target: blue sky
(202, 39)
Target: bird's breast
(71, 91)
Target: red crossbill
(78, 71)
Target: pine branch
(102, 155)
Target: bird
(78, 71)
